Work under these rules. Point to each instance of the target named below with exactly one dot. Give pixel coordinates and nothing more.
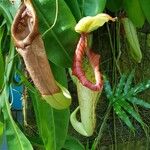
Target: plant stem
(118, 47)
(113, 52)
(115, 135)
(103, 126)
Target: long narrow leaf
(138, 101)
(2, 67)
(10, 62)
(140, 87)
(129, 82)
(120, 86)
(126, 106)
(15, 138)
(123, 116)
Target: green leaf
(75, 9)
(140, 87)
(129, 82)
(72, 143)
(60, 40)
(93, 7)
(124, 96)
(61, 126)
(123, 116)
(52, 127)
(10, 62)
(16, 140)
(126, 106)
(9, 10)
(36, 141)
(2, 67)
(145, 4)
(114, 5)
(134, 12)
(59, 74)
(138, 101)
(120, 85)
(52, 124)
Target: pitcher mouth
(25, 27)
(94, 60)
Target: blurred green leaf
(72, 143)
(9, 10)
(93, 7)
(134, 12)
(61, 39)
(145, 4)
(114, 5)
(75, 9)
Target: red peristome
(94, 60)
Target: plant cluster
(52, 36)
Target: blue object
(16, 95)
